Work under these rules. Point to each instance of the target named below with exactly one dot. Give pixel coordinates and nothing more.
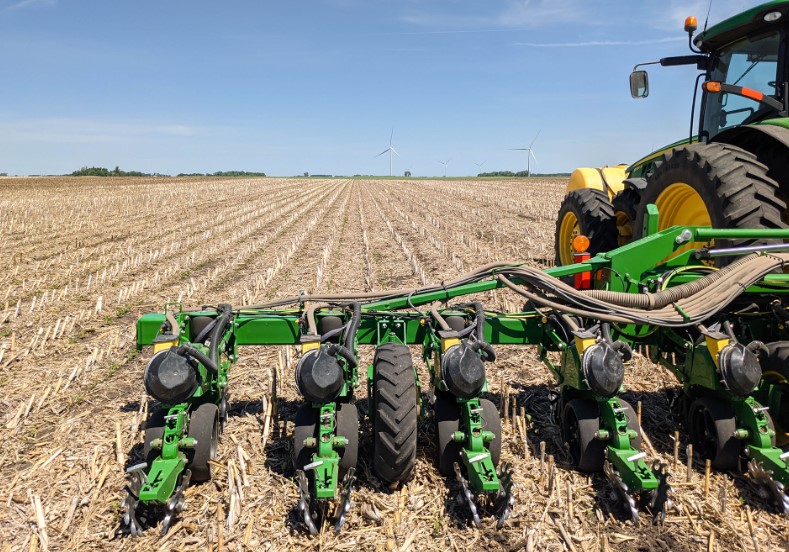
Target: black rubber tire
(447, 416)
(305, 427)
(348, 426)
(492, 422)
(711, 425)
(154, 429)
(197, 325)
(580, 423)
(595, 217)
(204, 427)
(734, 186)
(626, 205)
(632, 423)
(395, 415)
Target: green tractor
(734, 173)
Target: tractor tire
(154, 429)
(395, 416)
(306, 424)
(588, 212)
(348, 427)
(580, 423)
(626, 205)
(712, 425)
(203, 427)
(716, 185)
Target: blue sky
(287, 87)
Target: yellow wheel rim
(679, 204)
(624, 227)
(567, 231)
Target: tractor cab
(744, 60)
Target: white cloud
(82, 131)
(24, 4)
(591, 43)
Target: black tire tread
(395, 416)
(595, 216)
(744, 195)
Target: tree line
(103, 171)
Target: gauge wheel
(580, 424)
(712, 426)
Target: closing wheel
(305, 427)
(716, 185)
(632, 423)
(395, 416)
(204, 428)
(712, 426)
(581, 421)
(492, 422)
(154, 429)
(626, 204)
(447, 416)
(348, 427)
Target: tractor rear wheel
(716, 185)
(584, 211)
(395, 416)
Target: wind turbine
(479, 165)
(445, 163)
(530, 153)
(391, 150)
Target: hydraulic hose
(353, 325)
(335, 349)
(651, 301)
(479, 311)
(216, 335)
(187, 349)
(693, 303)
(481, 272)
(442, 323)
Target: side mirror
(639, 84)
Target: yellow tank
(606, 179)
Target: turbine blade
(532, 154)
(390, 137)
(519, 149)
(535, 138)
(383, 152)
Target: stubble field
(83, 258)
